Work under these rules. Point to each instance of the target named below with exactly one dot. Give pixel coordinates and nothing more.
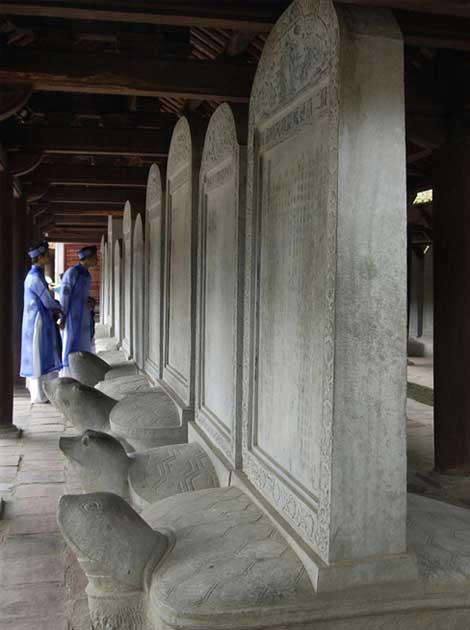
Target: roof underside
(103, 83)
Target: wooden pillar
(7, 428)
(451, 247)
(20, 269)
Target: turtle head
(87, 367)
(117, 550)
(99, 459)
(83, 406)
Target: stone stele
(217, 418)
(325, 291)
(117, 291)
(228, 566)
(127, 224)
(138, 293)
(180, 267)
(143, 478)
(84, 407)
(153, 317)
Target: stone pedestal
(325, 302)
(451, 307)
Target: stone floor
(42, 585)
(39, 578)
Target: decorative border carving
(153, 196)
(301, 54)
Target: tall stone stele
(114, 233)
(153, 306)
(181, 207)
(219, 334)
(117, 291)
(127, 229)
(325, 302)
(138, 292)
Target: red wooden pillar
(7, 428)
(451, 234)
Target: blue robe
(40, 341)
(74, 294)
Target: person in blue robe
(40, 340)
(76, 304)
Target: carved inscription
(219, 299)
(179, 298)
(153, 245)
(291, 304)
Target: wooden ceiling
(91, 91)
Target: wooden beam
(56, 174)
(73, 220)
(252, 16)
(65, 235)
(126, 74)
(94, 194)
(95, 209)
(85, 140)
(13, 97)
(435, 31)
(444, 7)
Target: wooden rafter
(125, 74)
(78, 140)
(127, 177)
(252, 16)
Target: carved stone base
(228, 566)
(120, 387)
(148, 419)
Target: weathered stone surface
(220, 284)
(103, 466)
(120, 387)
(118, 371)
(229, 566)
(87, 367)
(127, 228)
(180, 268)
(90, 369)
(117, 292)
(153, 318)
(114, 233)
(148, 419)
(138, 293)
(325, 298)
(112, 357)
(103, 280)
(85, 407)
(100, 461)
(115, 546)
